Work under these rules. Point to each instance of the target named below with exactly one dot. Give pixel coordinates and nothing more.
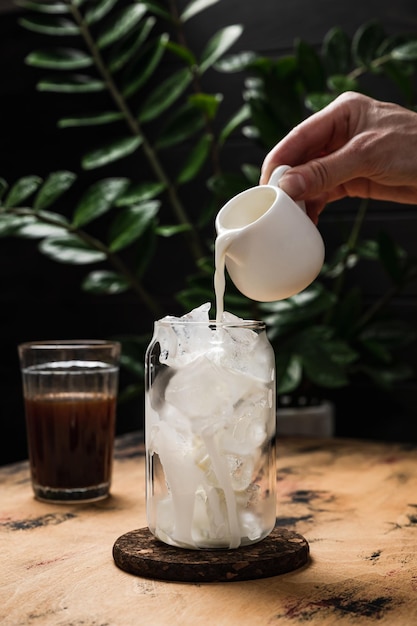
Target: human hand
(356, 146)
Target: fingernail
(293, 184)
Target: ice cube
(205, 392)
(244, 349)
(241, 470)
(182, 342)
(251, 526)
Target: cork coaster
(139, 552)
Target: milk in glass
(210, 428)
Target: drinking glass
(210, 433)
(70, 394)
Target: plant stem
(375, 63)
(96, 244)
(214, 148)
(350, 245)
(133, 124)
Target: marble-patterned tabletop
(354, 501)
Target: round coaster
(139, 552)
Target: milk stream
(220, 467)
(221, 244)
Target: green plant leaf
(144, 252)
(194, 7)
(98, 199)
(157, 9)
(343, 258)
(76, 83)
(122, 24)
(36, 227)
(365, 249)
(99, 10)
(3, 187)
(272, 114)
(322, 357)
(54, 186)
(10, 224)
(144, 66)
(195, 160)
(165, 95)
(112, 152)
(55, 8)
(299, 311)
(390, 333)
(289, 372)
(400, 75)
(316, 101)
(93, 119)
(380, 352)
(238, 62)
(251, 173)
(192, 297)
(386, 378)
(310, 66)
(48, 25)
(140, 192)
(123, 51)
(346, 314)
(131, 223)
(22, 190)
(366, 41)
(406, 52)
(339, 83)
(105, 282)
(207, 103)
(224, 186)
(185, 122)
(218, 45)
(182, 52)
(336, 51)
(59, 59)
(241, 116)
(171, 230)
(70, 249)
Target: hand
(356, 146)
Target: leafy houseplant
(329, 335)
(132, 61)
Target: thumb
(294, 184)
(317, 177)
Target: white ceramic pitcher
(272, 248)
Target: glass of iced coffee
(70, 394)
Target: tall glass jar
(210, 433)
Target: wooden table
(354, 501)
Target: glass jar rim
(40, 353)
(175, 321)
(73, 344)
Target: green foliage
(156, 111)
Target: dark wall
(40, 299)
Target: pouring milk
(269, 246)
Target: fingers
(322, 133)
(356, 146)
(323, 175)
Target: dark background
(40, 299)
